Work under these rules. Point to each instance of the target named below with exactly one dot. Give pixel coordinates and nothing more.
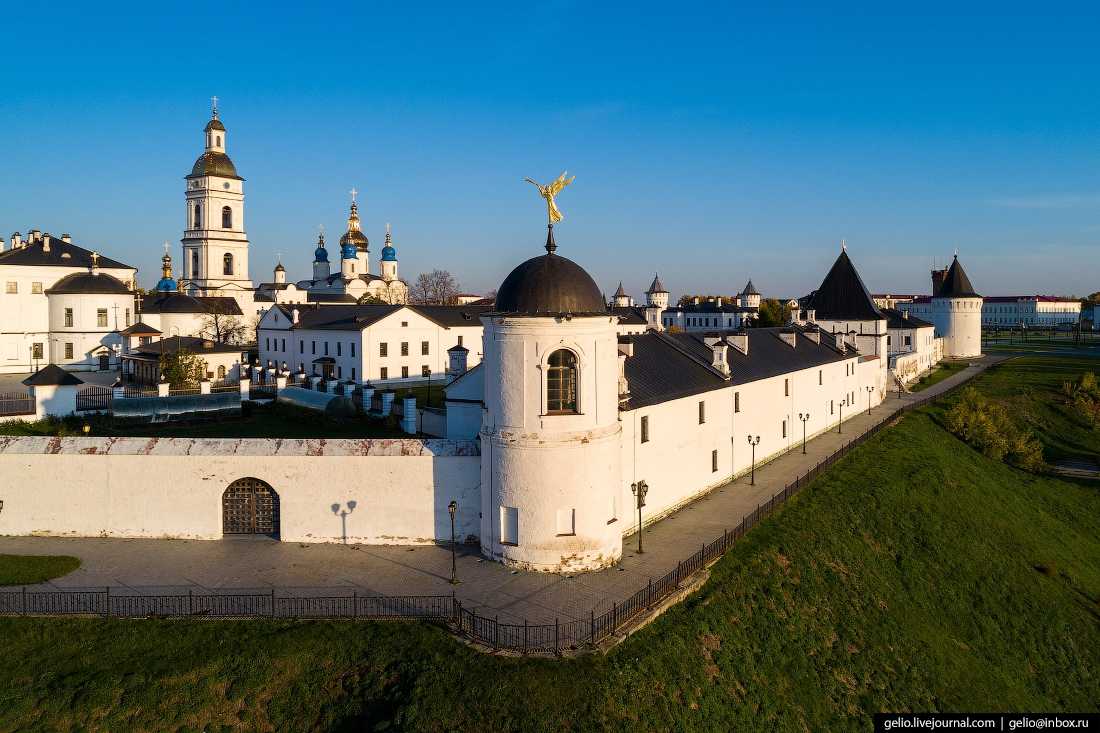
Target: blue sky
(712, 143)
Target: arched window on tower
(198, 217)
(227, 264)
(561, 383)
(219, 139)
(227, 217)
(194, 263)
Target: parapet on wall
(173, 487)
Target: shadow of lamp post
(804, 418)
(753, 442)
(639, 489)
(451, 509)
(343, 514)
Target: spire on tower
(214, 107)
(843, 245)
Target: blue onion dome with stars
(166, 284)
(389, 254)
(320, 254)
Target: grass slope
(905, 579)
(31, 569)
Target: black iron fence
(16, 403)
(94, 398)
(524, 638)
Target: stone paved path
(162, 566)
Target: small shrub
(988, 428)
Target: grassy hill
(915, 575)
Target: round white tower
(656, 299)
(957, 314)
(750, 297)
(550, 438)
(622, 300)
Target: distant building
(714, 314)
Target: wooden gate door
(250, 506)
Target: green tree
(772, 313)
(182, 369)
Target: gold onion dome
(354, 235)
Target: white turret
(622, 300)
(656, 299)
(551, 474)
(957, 312)
(280, 273)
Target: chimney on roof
(739, 341)
(718, 301)
(718, 357)
(16, 240)
(46, 243)
(840, 340)
(695, 300)
(35, 235)
(789, 338)
(811, 315)
(67, 239)
(294, 316)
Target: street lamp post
(870, 389)
(754, 442)
(804, 418)
(639, 489)
(451, 509)
(840, 422)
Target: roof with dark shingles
(172, 344)
(182, 303)
(672, 366)
(51, 375)
(140, 328)
(956, 284)
(897, 319)
(843, 296)
(61, 254)
(357, 317)
(630, 315)
(89, 283)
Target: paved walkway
(163, 566)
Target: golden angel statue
(549, 191)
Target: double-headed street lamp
(753, 441)
(804, 418)
(870, 389)
(639, 489)
(451, 509)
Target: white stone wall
(87, 336)
(676, 462)
(172, 487)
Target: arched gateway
(250, 506)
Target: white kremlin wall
(172, 487)
(676, 462)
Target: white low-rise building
(62, 304)
(912, 345)
(376, 343)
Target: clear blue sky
(710, 142)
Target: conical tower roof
(843, 296)
(620, 293)
(750, 289)
(656, 287)
(956, 284)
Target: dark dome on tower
(549, 285)
(213, 163)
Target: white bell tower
(215, 246)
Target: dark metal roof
(51, 375)
(656, 286)
(672, 366)
(956, 284)
(630, 315)
(549, 285)
(843, 296)
(60, 254)
(711, 306)
(182, 303)
(750, 289)
(214, 124)
(620, 293)
(89, 282)
(897, 319)
(213, 163)
(357, 317)
(139, 328)
(194, 344)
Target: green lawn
(31, 569)
(942, 371)
(915, 575)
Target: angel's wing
(560, 183)
(537, 185)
